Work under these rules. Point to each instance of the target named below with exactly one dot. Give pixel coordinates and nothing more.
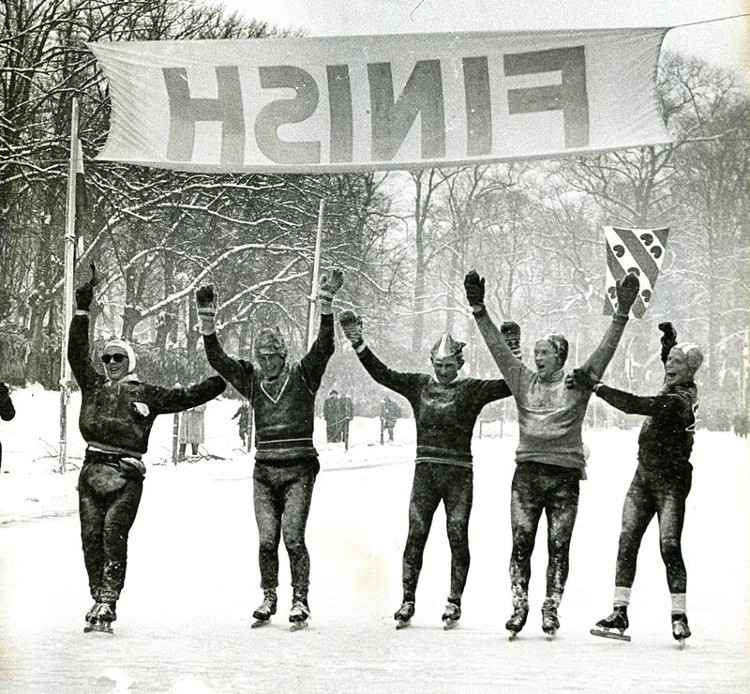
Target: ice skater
(117, 413)
(282, 396)
(550, 459)
(446, 407)
(662, 479)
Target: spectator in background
(332, 413)
(192, 430)
(347, 414)
(741, 424)
(7, 411)
(389, 413)
(244, 424)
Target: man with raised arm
(446, 407)
(662, 479)
(549, 459)
(282, 395)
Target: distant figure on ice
(741, 424)
(389, 414)
(446, 408)
(347, 414)
(282, 396)
(117, 413)
(550, 458)
(662, 479)
(244, 417)
(332, 413)
(7, 411)
(192, 430)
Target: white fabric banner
(380, 102)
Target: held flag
(639, 250)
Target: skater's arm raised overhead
(668, 339)
(166, 400)
(315, 361)
(627, 293)
(237, 372)
(78, 340)
(508, 363)
(403, 383)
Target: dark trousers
(537, 489)
(454, 486)
(183, 448)
(282, 496)
(651, 494)
(107, 503)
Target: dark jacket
(7, 411)
(118, 416)
(284, 409)
(445, 414)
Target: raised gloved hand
(474, 288)
(327, 289)
(84, 296)
(668, 339)
(351, 324)
(627, 290)
(511, 331)
(580, 380)
(205, 300)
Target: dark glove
(668, 339)
(205, 300)
(580, 380)
(351, 324)
(474, 288)
(511, 331)
(327, 289)
(84, 296)
(627, 290)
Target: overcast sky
(724, 43)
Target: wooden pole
(69, 243)
(314, 278)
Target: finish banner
(358, 103)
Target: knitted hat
(692, 353)
(122, 346)
(511, 331)
(448, 348)
(559, 344)
(270, 341)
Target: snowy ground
(183, 620)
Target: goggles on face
(116, 358)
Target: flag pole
(314, 278)
(69, 242)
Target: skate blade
(402, 623)
(298, 626)
(449, 624)
(512, 634)
(260, 623)
(616, 635)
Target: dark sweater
(666, 438)
(285, 407)
(119, 415)
(445, 414)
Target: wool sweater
(445, 414)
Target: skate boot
(299, 614)
(104, 617)
(614, 626)
(452, 613)
(680, 628)
(517, 619)
(265, 610)
(91, 617)
(550, 621)
(404, 614)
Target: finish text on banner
(379, 102)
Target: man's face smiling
(116, 363)
(445, 369)
(546, 359)
(271, 365)
(676, 369)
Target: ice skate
(680, 628)
(404, 614)
(517, 620)
(550, 621)
(103, 618)
(614, 626)
(299, 614)
(451, 615)
(265, 610)
(91, 617)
